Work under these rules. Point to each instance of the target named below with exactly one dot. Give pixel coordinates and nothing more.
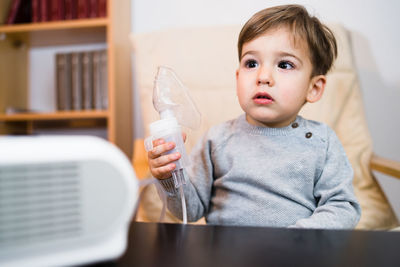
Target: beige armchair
(206, 59)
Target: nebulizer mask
(176, 108)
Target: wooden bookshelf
(59, 115)
(55, 25)
(18, 39)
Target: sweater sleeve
(337, 206)
(198, 186)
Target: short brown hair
(319, 38)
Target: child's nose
(265, 77)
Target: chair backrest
(206, 59)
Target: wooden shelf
(60, 115)
(55, 25)
(17, 41)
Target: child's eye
(251, 63)
(286, 65)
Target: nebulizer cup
(172, 101)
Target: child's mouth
(263, 98)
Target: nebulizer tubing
(175, 106)
(179, 176)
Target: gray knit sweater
(296, 176)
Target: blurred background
(28, 66)
(373, 25)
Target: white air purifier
(64, 200)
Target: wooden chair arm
(385, 166)
(139, 160)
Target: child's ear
(317, 86)
(237, 77)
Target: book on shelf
(19, 12)
(76, 76)
(25, 11)
(102, 8)
(60, 81)
(63, 81)
(87, 80)
(81, 80)
(57, 8)
(71, 9)
(100, 79)
(36, 10)
(68, 82)
(44, 10)
(94, 9)
(91, 8)
(103, 79)
(83, 9)
(96, 80)
(12, 14)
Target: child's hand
(161, 165)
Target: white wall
(374, 28)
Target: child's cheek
(284, 96)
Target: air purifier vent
(39, 202)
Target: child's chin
(259, 120)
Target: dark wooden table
(160, 244)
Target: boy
(270, 167)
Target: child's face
(274, 79)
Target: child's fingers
(160, 149)
(163, 172)
(158, 142)
(164, 160)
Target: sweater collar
(243, 124)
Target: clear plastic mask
(170, 95)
